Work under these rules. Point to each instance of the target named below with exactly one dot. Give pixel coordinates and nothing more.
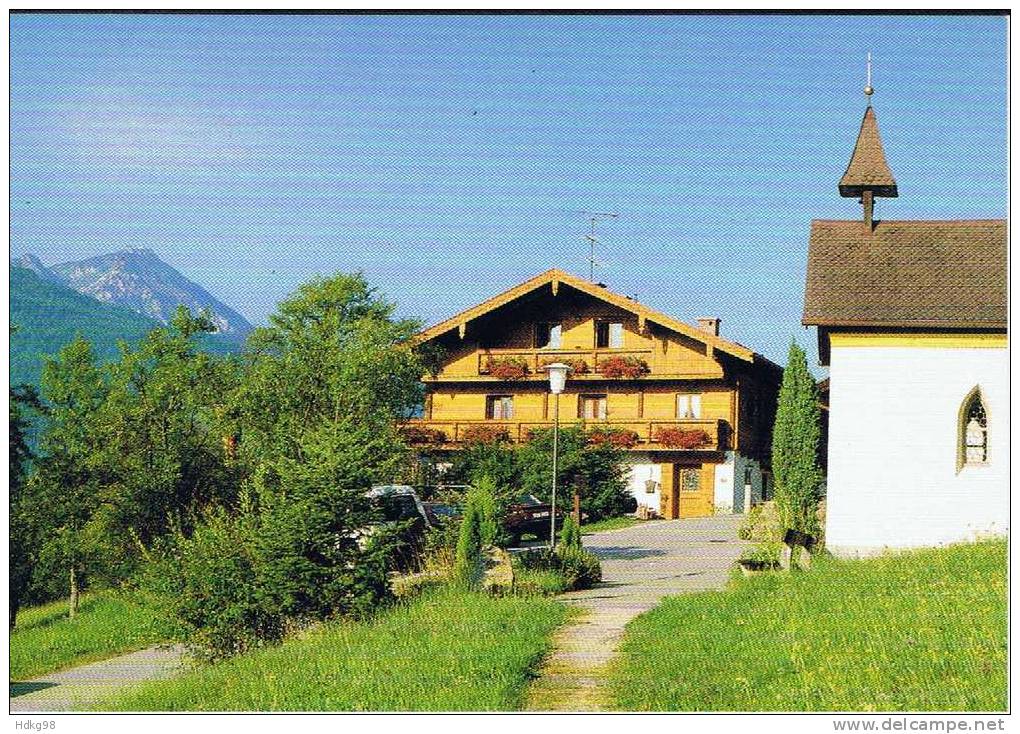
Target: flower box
(422, 435)
(578, 366)
(625, 367)
(678, 438)
(485, 434)
(507, 368)
(619, 437)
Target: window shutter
(615, 336)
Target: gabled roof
(949, 274)
(557, 278)
(867, 168)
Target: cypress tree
(795, 440)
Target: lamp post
(557, 379)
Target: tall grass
(107, 623)
(446, 651)
(917, 631)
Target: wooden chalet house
(693, 410)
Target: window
(547, 336)
(689, 479)
(688, 405)
(747, 477)
(592, 407)
(973, 430)
(608, 335)
(499, 407)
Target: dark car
(527, 516)
(531, 516)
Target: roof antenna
(594, 217)
(868, 89)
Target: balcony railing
(647, 435)
(536, 359)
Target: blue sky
(446, 156)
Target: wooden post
(577, 506)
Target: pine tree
(795, 442)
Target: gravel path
(84, 686)
(640, 565)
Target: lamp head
(557, 376)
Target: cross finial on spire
(869, 90)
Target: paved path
(640, 565)
(86, 685)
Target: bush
(468, 567)
(579, 568)
(762, 524)
(570, 534)
(539, 583)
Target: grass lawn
(610, 523)
(921, 631)
(107, 623)
(445, 651)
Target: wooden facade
(689, 397)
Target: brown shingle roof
(913, 273)
(867, 168)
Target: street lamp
(557, 379)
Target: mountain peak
(138, 279)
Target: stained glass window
(975, 432)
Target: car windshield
(397, 507)
(529, 499)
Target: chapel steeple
(868, 175)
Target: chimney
(711, 325)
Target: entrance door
(695, 490)
(687, 490)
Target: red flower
(484, 434)
(619, 437)
(628, 367)
(422, 435)
(507, 368)
(678, 438)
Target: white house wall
(893, 441)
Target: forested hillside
(49, 315)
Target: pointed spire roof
(868, 169)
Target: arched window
(973, 430)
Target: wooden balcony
(687, 435)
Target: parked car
(401, 510)
(530, 515)
(527, 516)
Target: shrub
(422, 435)
(766, 554)
(468, 566)
(539, 583)
(795, 440)
(579, 568)
(508, 368)
(678, 438)
(620, 437)
(762, 524)
(483, 434)
(626, 367)
(570, 534)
